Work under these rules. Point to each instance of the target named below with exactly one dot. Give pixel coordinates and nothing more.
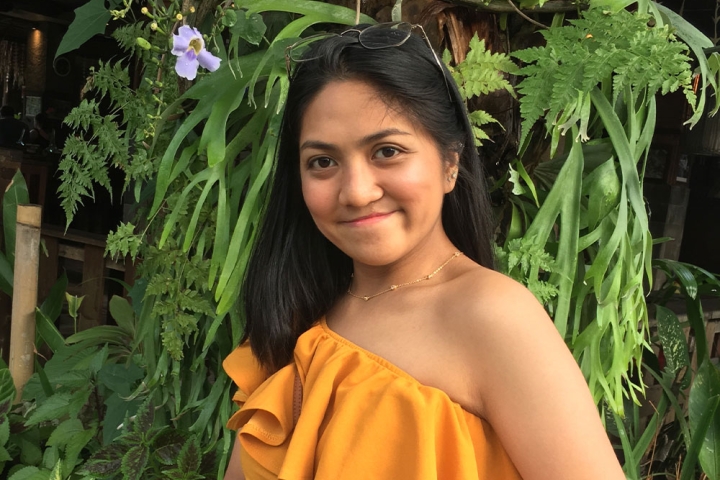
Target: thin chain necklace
(395, 287)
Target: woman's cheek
(318, 198)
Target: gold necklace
(395, 287)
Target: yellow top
(361, 418)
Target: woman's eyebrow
(317, 144)
(372, 138)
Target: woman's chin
(374, 255)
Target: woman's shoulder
(488, 313)
(482, 297)
(486, 317)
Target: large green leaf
(48, 331)
(207, 92)
(6, 275)
(682, 272)
(564, 201)
(7, 386)
(328, 13)
(672, 340)
(234, 265)
(101, 335)
(697, 41)
(213, 136)
(90, 20)
(53, 408)
(123, 314)
(15, 194)
(705, 415)
(134, 462)
(602, 186)
(52, 306)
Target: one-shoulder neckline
(390, 366)
(377, 358)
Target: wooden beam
(93, 287)
(48, 268)
(503, 6)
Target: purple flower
(189, 47)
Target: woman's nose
(359, 185)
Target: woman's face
(372, 180)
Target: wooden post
(25, 288)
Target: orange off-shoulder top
(361, 418)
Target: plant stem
(520, 12)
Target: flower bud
(144, 10)
(179, 17)
(153, 26)
(192, 9)
(142, 43)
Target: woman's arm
(529, 387)
(234, 470)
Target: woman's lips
(368, 219)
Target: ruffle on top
(361, 418)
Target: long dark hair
(295, 274)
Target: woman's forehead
(353, 108)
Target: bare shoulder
(496, 322)
(524, 381)
(484, 299)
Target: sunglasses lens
(383, 36)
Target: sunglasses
(375, 37)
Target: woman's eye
(321, 162)
(387, 152)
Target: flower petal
(180, 45)
(186, 67)
(190, 55)
(208, 60)
(188, 33)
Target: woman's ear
(452, 167)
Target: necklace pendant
(393, 287)
(366, 298)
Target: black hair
(294, 273)
(7, 111)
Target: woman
(382, 345)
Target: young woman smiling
(381, 344)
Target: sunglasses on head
(375, 37)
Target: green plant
(683, 432)
(49, 431)
(15, 194)
(7, 396)
(482, 72)
(77, 418)
(602, 249)
(596, 78)
(147, 451)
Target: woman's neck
(414, 265)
